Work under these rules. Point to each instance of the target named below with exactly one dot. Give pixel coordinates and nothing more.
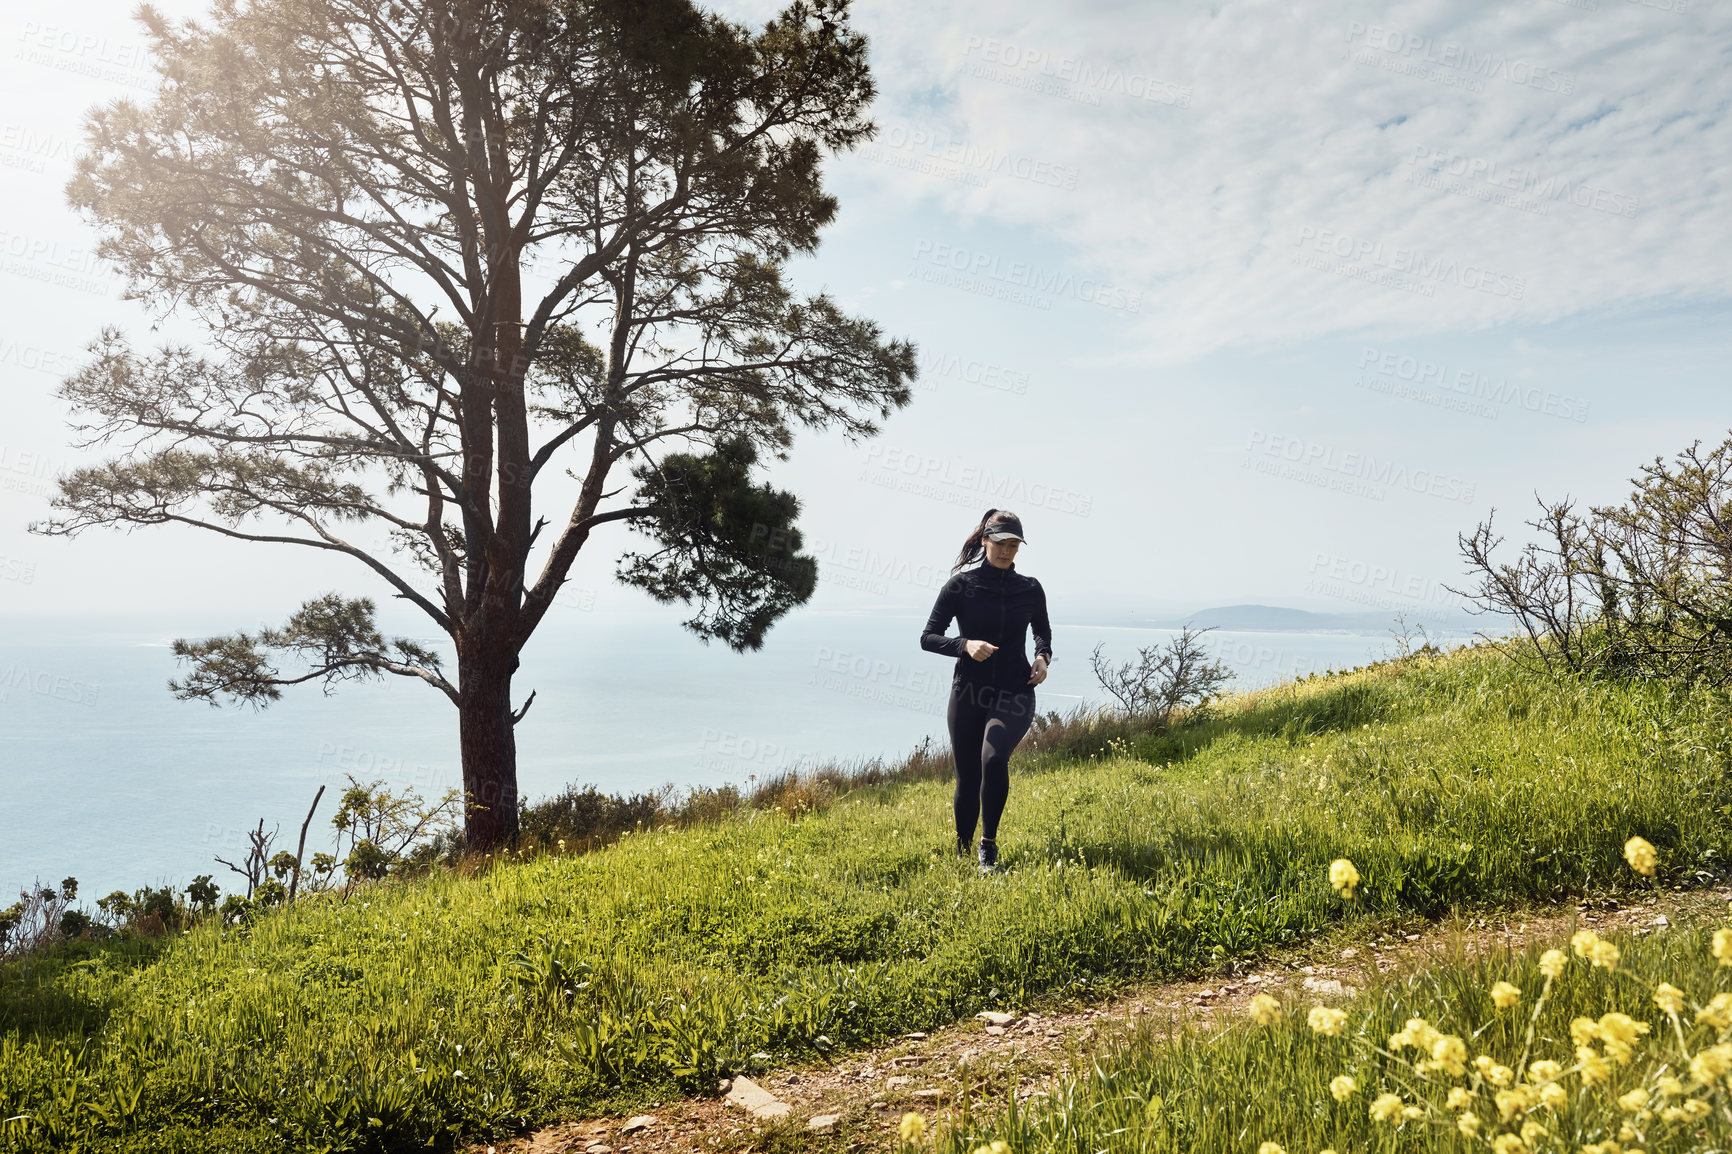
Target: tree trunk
(488, 742)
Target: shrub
(34, 921)
(1637, 589)
(1165, 680)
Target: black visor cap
(1005, 530)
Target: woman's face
(1001, 553)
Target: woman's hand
(980, 650)
(1037, 671)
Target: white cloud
(1433, 167)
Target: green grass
(415, 1015)
(1235, 1089)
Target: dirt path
(855, 1102)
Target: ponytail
(975, 545)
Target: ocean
(109, 779)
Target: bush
(1166, 681)
(585, 818)
(1637, 589)
(34, 922)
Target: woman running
(992, 693)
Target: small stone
(598, 1148)
(995, 1029)
(929, 1095)
(755, 1100)
(994, 1018)
(908, 1060)
(791, 1079)
(1324, 986)
(823, 1123)
(1413, 937)
(640, 1122)
(898, 1082)
(1052, 1033)
(1350, 952)
(1661, 920)
(916, 1036)
(879, 1105)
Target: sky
(1252, 302)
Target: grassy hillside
(1279, 1081)
(462, 1006)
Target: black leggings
(985, 725)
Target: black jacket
(996, 605)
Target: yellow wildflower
(1697, 1109)
(1634, 1100)
(1554, 1096)
(1552, 963)
(1627, 1133)
(1343, 877)
(1509, 1103)
(1422, 1032)
(1606, 1147)
(1271, 1148)
(1668, 1086)
(1669, 997)
(1418, 1032)
(1468, 1124)
(1508, 1144)
(1460, 1098)
(1593, 1067)
(1264, 1009)
(1533, 1133)
(1342, 1087)
(1711, 1063)
(1544, 1070)
(1326, 1021)
(1504, 995)
(1449, 1054)
(1718, 1012)
(1484, 1064)
(912, 1128)
(1386, 1108)
(1412, 1113)
(1639, 852)
(1618, 1033)
(1500, 1075)
(1582, 941)
(1584, 1030)
(1723, 946)
(1671, 1115)
(1604, 954)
